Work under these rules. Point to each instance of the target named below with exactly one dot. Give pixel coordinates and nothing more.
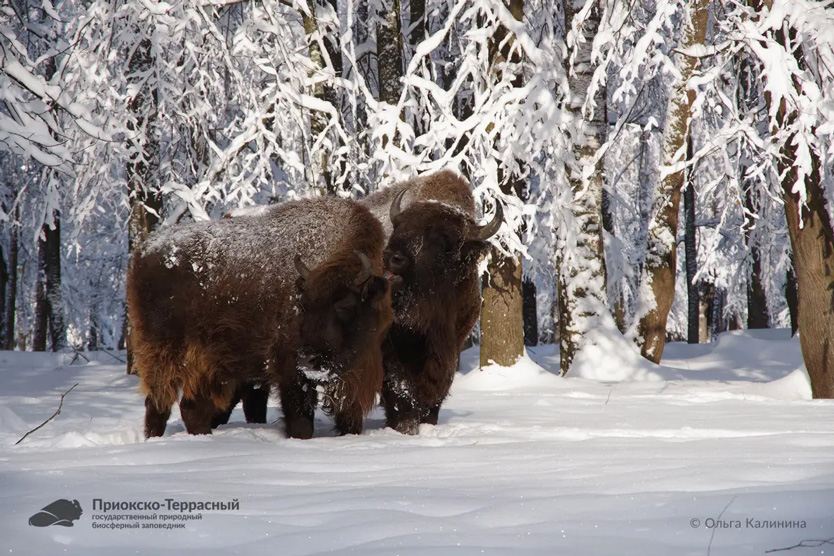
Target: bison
(293, 297)
(431, 260)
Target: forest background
(666, 166)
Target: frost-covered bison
(288, 298)
(431, 259)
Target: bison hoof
(410, 427)
(300, 429)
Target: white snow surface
(521, 462)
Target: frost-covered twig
(709, 547)
(57, 412)
(808, 543)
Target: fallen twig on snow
(57, 412)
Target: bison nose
(309, 361)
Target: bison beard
(217, 305)
(431, 260)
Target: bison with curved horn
(431, 259)
(290, 298)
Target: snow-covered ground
(522, 462)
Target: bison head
(432, 244)
(346, 311)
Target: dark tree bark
(49, 306)
(812, 240)
(41, 301)
(417, 17)
(11, 291)
(4, 281)
(389, 51)
(661, 258)
(93, 334)
(748, 97)
(529, 312)
(757, 314)
(321, 165)
(691, 249)
(416, 35)
(57, 330)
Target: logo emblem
(60, 512)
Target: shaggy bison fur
(289, 298)
(431, 259)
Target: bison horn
(302, 269)
(488, 230)
(396, 206)
(366, 271)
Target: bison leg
(155, 418)
(298, 400)
(430, 417)
(349, 420)
(222, 417)
(255, 398)
(401, 410)
(197, 414)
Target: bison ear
(473, 249)
(375, 288)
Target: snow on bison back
(287, 297)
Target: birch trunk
(582, 275)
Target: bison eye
(345, 308)
(443, 241)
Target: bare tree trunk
(41, 300)
(142, 167)
(93, 335)
(619, 309)
(502, 324)
(417, 17)
(582, 277)
(757, 314)
(691, 249)
(502, 329)
(57, 331)
(792, 297)
(324, 90)
(49, 306)
(529, 312)
(11, 292)
(389, 50)
(812, 240)
(661, 254)
(4, 282)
